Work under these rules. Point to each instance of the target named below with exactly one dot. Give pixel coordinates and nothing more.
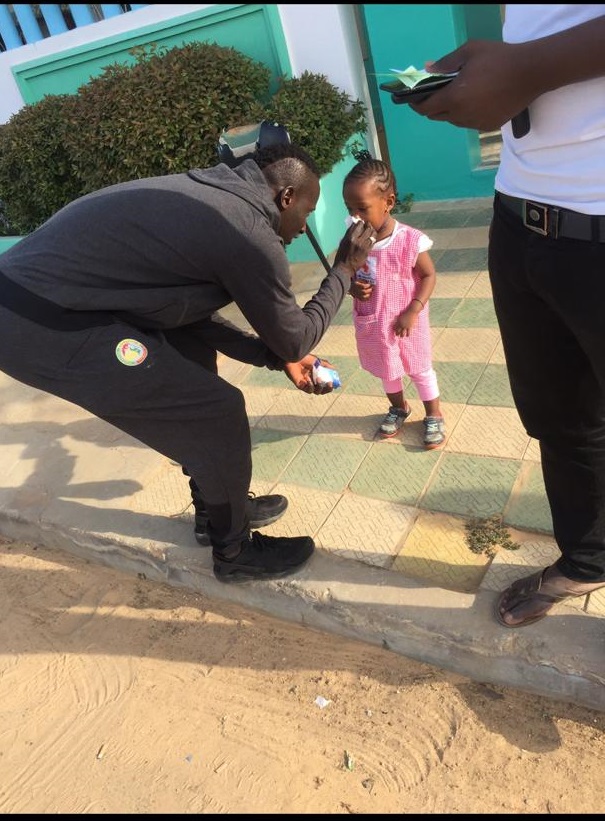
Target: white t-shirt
(561, 160)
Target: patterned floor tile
(457, 380)
(509, 565)
(528, 506)
(452, 285)
(344, 315)
(481, 287)
(355, 416)
(308, 510)
(165, 494)
(489, 431)
(441, 310)
(474, 313)
(307, 276)
(468, 260)
(366, 530)
(493, 388)
(272, 452)
(497, 357)
(465, 344)
(457, 238)
(532, 454)
(297, 411)
(436, 551)
(233, 371)
(396, 474)
(326, 462)
(264, 378)
(365, 383)
(339, 340)
(259, 401)
(430, 216)
(481, 216)
(470, 485)
(476, 434)
(595, 603)
(347, 367)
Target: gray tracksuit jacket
(169, 252)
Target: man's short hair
(285, 164)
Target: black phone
(401, 94)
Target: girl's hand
(361, 290)
(405, 322)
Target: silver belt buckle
(541, 218)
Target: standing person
(111, 304)
(391, 294)
(547, 263)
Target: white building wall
(321, 38)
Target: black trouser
(549, 297)
(179, 407)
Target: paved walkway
(413, 545)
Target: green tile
(457, 380)
(528, 507)
(471, 485)
(272, 452)
(493, 388)
(326, 463)
(344, 315)
(481, 216)
(420, 220)
(365, 383)
(394, 473)
(264, 378)
(441, 309)
(463, 259)
(458, 218)
(347, 366)
(474, 313)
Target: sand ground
(120, 695)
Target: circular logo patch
(131, 352)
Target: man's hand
(301, 375)
(493, 85)
(355, 246)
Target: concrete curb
(560, 657)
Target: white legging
(425, 383)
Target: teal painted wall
(8, 242)
(253, 29)
(431, 160)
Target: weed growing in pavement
(486, 535)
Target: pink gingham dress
(380, 351)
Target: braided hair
(376, 170)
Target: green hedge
(161, 115)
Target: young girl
(391, 293)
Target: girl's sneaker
(393, 421)
(434, 431)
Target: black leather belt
(554, 222)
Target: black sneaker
(261, 510)
(264, 557)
